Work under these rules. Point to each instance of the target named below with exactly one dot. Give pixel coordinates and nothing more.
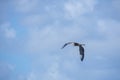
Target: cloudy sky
(33, 31)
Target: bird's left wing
(66, 44)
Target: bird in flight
(81, 49)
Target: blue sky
(33, 31)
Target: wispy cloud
(110, 28)
(51, 72)
(5, 70)
(25, 6)
(76, 8)
(7, 31)
(34, 21)
(49, 37)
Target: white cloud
(32, 76)
(51, 72)
(101, 74)
(21, 77)
(49, 37)
(54, 73)
(7, 31)
(33, 21)
(116, 5)
(25, 5)
(104, 47)
(5, 70)
(76, 8)
(90, 4)
(109, 28)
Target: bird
(81, 49)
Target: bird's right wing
(81, 49)
(66, 44)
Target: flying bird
(81, 49)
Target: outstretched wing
(81, 49)
(66, 44)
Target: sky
(32, 33)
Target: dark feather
(81, 49)
(66, 44)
